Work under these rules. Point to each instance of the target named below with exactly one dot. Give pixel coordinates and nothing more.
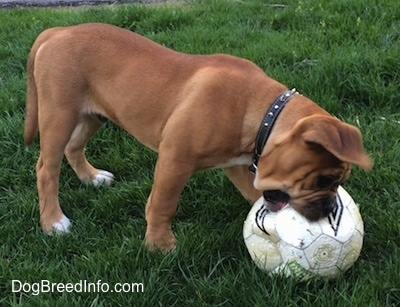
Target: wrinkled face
(306, 175)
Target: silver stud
(266, 125)
(276, 107)
(270, 114)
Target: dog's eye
(325, 181)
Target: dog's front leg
(170, 177)
(243, 179)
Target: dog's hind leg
(55, 128)
(75, 152)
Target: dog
(196, 111)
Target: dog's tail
(31, 110)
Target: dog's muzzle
(318, 209)
(323, 207)
(276, 199)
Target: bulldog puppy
(196, 111)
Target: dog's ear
(342, 140)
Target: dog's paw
(62, 226)
(160, 243)
(102, 178)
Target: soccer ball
(286, 243)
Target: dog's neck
(299, 107)
(267, 124)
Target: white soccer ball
(287, 243)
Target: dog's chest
(244, 159)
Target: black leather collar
(267, 124)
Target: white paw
(103, 178)
(62, 225)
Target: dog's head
(306, 165)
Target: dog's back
(111, 65)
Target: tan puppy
(196, 111)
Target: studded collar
(267, 125)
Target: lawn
(343, 54)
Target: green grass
(344, 54)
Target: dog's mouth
(276, 199)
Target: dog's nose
(328, 204)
